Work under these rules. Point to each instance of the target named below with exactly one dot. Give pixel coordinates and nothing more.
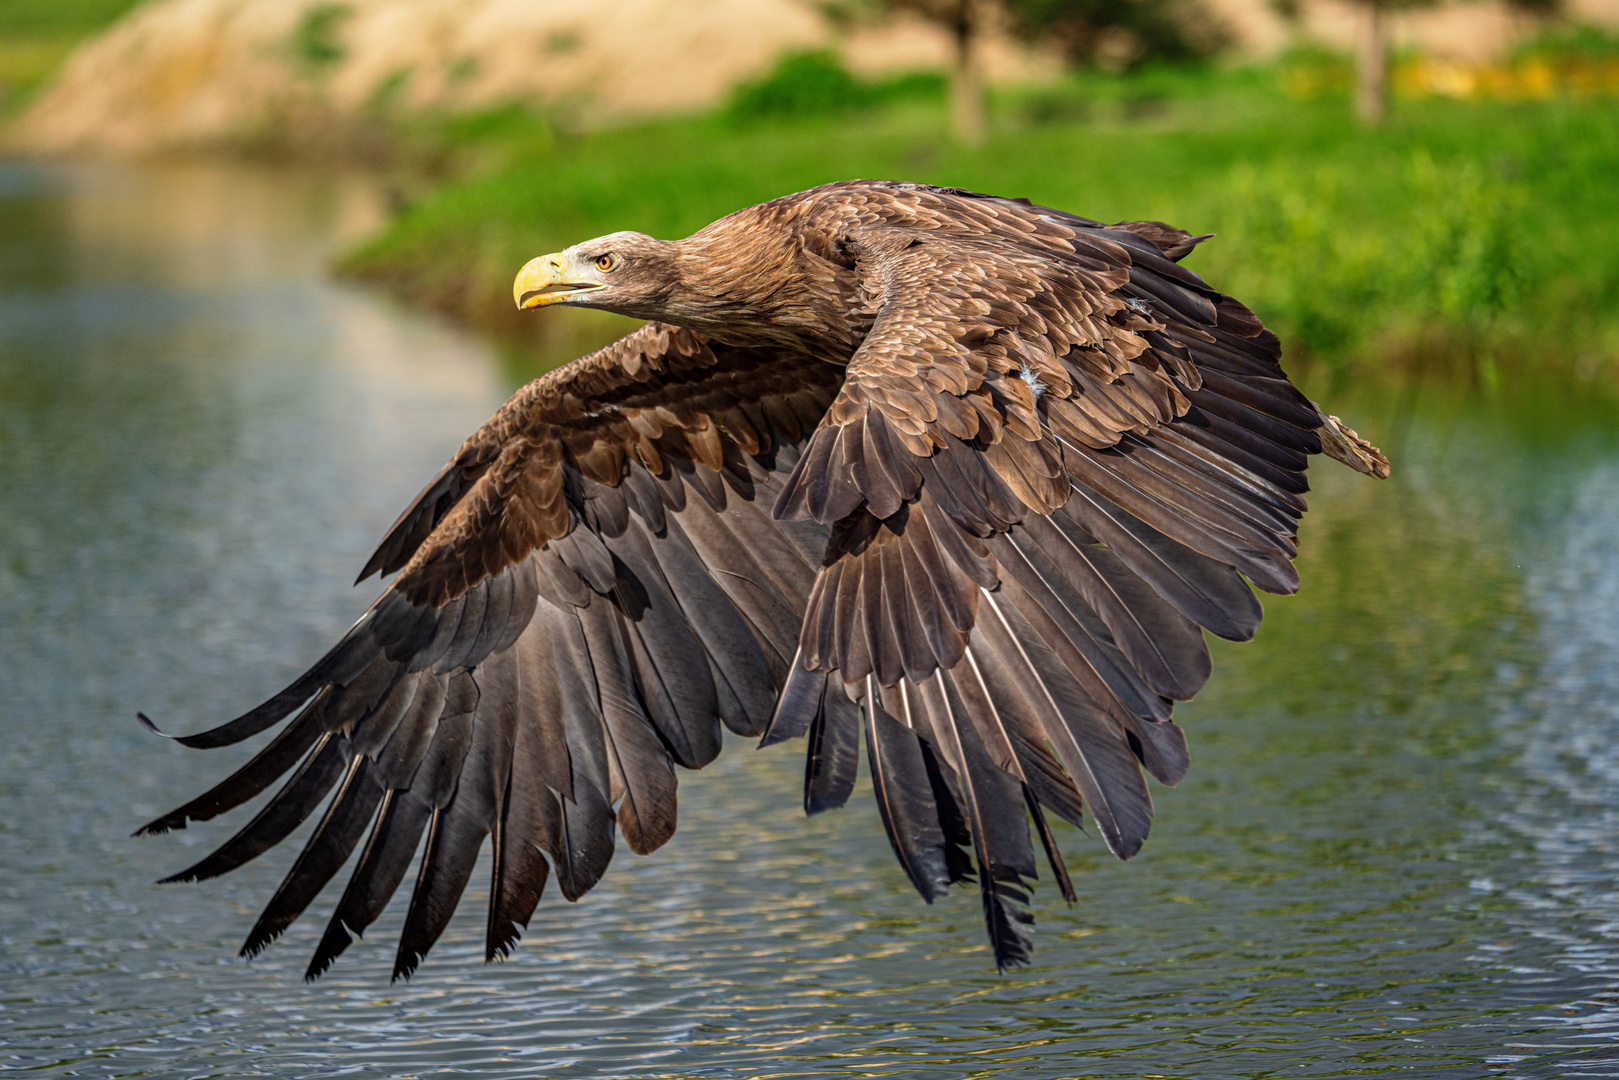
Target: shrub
(816, 83)
(1335, 281)
(317, 41)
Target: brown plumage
(961, 476)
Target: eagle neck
(766, 286)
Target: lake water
(1396, 852)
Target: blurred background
(255, 267)
(1406, 187)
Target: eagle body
(960, 479)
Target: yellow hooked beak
(545, 281)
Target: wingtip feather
(163, 825)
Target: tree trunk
(966, 88)
(1372, 82)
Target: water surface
(1395, 853)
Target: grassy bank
(1473, 240)
(36, 36)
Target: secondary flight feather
(958, 477)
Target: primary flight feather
(958, 476)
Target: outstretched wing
(589, 588)
(1054, 459)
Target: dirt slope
(177, 74)
(189, 73)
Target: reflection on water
(1394, 853)
(1563, 732)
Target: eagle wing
(1054, 459)
(586, 591)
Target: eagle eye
(606, 262)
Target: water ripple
(200, 440)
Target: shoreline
(1471, 243)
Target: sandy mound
(197, 73)
(189, 73)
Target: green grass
(1474, 241)
(37, 35)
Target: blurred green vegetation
(1574, 41)
(816, 83)
(316, 40)
(1474, 241)
(37, 35)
